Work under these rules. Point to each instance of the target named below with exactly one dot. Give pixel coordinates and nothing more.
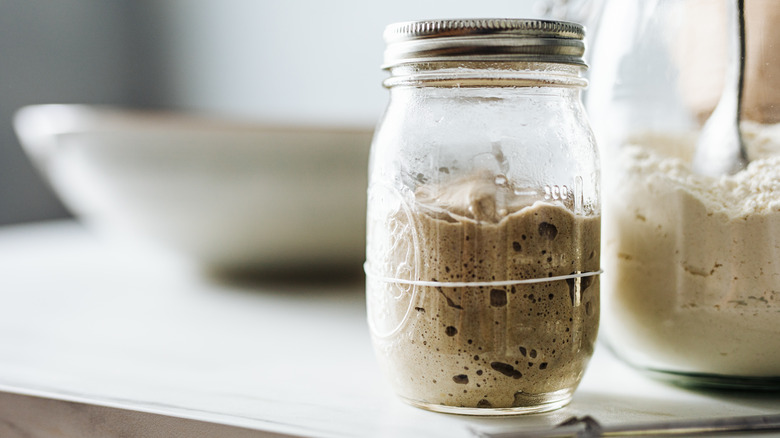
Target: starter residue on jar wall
(693, 263)
(498, 346)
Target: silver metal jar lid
(497, 39)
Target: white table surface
(85, 320)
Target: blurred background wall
(272, 60)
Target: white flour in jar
(692, 263)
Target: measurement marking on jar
(557, 193)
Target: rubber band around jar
(374, 276)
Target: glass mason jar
(484, 217)
(692, 262)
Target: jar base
(531, 404)
(714, 381)
(695, 380)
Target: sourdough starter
(488, 346)
(693, 263)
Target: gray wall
(296, 60)
(65, 51)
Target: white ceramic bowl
(233, 196)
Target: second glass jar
(692, 282)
